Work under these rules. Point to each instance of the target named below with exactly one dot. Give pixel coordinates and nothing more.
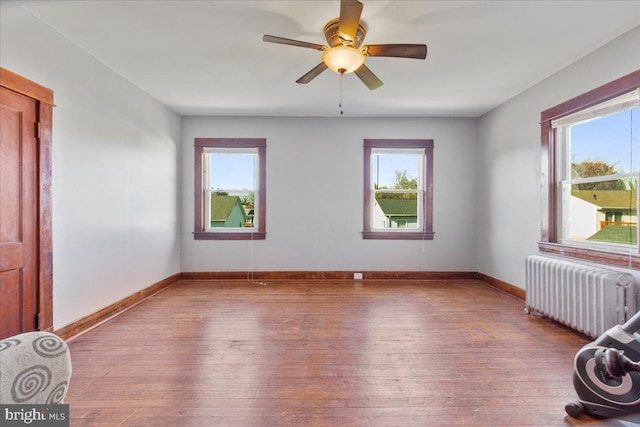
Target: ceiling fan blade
(368, 78)
(417, 51)
(312, 74)
(350, 11)
(291, 42)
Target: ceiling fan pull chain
(341, 91)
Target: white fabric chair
(35, 368)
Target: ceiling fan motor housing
(333, 38)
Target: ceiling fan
(345, 53)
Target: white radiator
(586, 298)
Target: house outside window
(230, 189)
(398, 189)
(591, 149)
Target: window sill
(207, 235)
(397, 235)
(630, 261)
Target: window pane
(601, 211)
(232, 171)
(395, 210)
(606, 145)
(232, 193)
(395, 170)
(231, 211)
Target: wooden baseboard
(348, 275)
(329, 275)
(93, 320)
(503, 286)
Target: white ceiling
(208, 57)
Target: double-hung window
(230, 189)
(398, 189)
(591, 146)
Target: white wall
(509, 157)
(584, 217)
(121, 161)
(115, 171)
(314, 196)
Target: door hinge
(38, 322)
(38, 131)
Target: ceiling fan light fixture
(343, 59)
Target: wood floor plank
(325, 353)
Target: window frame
(550, 240)
(258, 232)
(426, 233)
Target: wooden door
(19, 287)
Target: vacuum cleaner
(606, 373)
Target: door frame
(44, 110)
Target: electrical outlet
(357, 276)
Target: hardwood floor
(325, 353)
